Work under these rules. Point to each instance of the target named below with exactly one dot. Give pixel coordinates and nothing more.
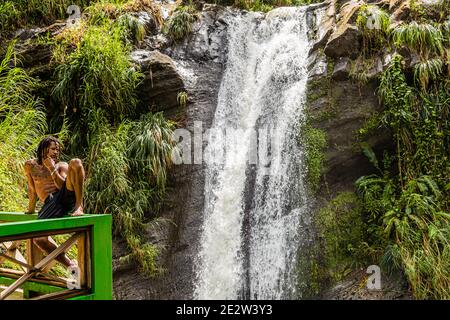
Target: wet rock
(345, 39)
(402, 12)
(354, 287)
(33, 55)
(317, 65)
(341, 69)
(376, 70)
(344, 42)
(326, 26)
(161, 84)
(25, 34)
(348, 12)
(208, 41)
(148, 21)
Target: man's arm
(32, 196)
(58, 172)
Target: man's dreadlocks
(43, 148)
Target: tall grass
(126, 160)
(151, 146)
(22, 124)
(17, 13)
(133, 30)
(425, 71)
(103, 10)
(127, 177)
(423, 38)
(180, 23)
(98, 74)
(418, 227)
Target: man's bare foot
(77, 212)
(73, 263)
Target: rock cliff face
(337, 104)
(341, 105)
(199, 62)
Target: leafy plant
(425, 71)
(8, 15)
(19, 13)
(22, 124)
(180, 23)
(145, 254)
(133, 30)
(341, 228)
(151, 146)
(127, 178)
(422, 38)
(407, 210)
(98, 74)
(374, 24)
(182, 99)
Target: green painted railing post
(100, 247)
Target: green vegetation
(423, 38)
(182, 99)
(133, 30)
(21, 127)
(315, 141)
(180, 23)
(403, 209)
(369, 126)
(98, 74)
(127, 176)
(409, 208)
(126, 155)
(341, 228)
(17, 13)
(427, 70)
(127, 160)
(374, 24)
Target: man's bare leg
(47, 247)
(75, 182)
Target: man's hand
(49, 163)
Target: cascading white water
(250, 250)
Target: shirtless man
(57, 184)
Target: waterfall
(255, 196)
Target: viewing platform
(27, 274)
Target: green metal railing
(90, 233)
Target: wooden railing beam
(39, 266)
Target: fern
(425, 71)
(422, 38)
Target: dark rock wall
(199, 61)
(337, 104)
